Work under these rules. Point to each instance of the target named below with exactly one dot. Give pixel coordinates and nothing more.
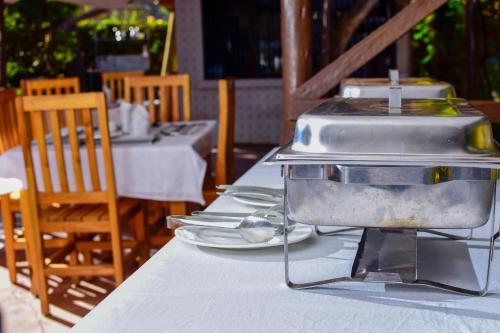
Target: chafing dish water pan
(395, 197)
(402, 165)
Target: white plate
(231, 239)
(254, 202)
(97, 135)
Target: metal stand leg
(447, 235)
(334, 232)
(429, 231)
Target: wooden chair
(74, 210)
(8, 120)
(38, 87)
(8, 208)
(165, 89)
(224, 166)
(9, 138)
(115, 82)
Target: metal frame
(429, 231)
(428, 283)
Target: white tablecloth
(184, 288)
(171, 169)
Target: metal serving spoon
(257, 227)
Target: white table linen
(171, 169)
(185, 288)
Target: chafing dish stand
(389, 255)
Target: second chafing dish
(416, 87)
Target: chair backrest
(63, 181)
(224, 168)
(115, 82)
(9, 136)
(38, 87)
(165, 89)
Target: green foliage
(36, 46)
(134, 27)
(31, 50)
(439, 46)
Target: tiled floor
(20, 310)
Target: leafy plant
(36, 46)
(439, 46)
(33, 45)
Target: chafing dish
(421, 87)
(397, 164)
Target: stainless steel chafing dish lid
(416, 87)
(418, 127)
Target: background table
(171, 169)
(185, 288)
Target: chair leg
(73, 257)
(36, 254)
(8, 223)
(140, 224)
(178, 208)
(116, 244)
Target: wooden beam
(350, 22)
(296, 43)
(490, 108)
(299, 106)
(369, 47)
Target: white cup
(113, 126)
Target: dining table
(162, 165)
(189, 288)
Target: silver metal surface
(393, 76)
(455, 204)
(354, 127)
(411, 88)
(386, 256)
(428, 283)
(389, 175)
(395, 99)
(396, 197)
(285, 156)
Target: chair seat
(94, 212)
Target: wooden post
(296, 45)
(472, 71)
(167, 51)
(326, 49)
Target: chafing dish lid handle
(393, 77)
(395, 98)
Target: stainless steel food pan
(390, 197)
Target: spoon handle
(247, 188)
(176, 220)
(228, 215)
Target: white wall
(258, 102)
